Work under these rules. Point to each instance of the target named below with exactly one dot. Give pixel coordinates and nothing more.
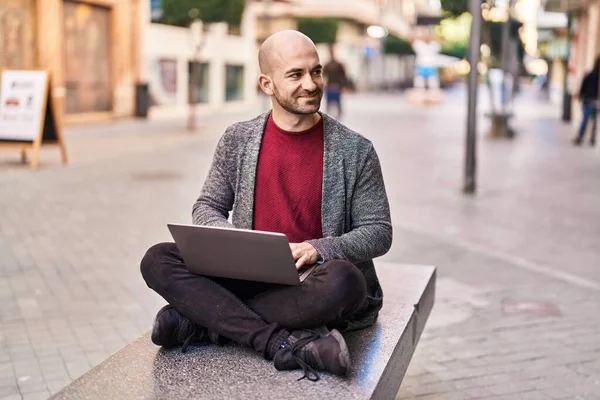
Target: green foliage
(458, 50)
(320, 30)
(396, 45)
(454, 33)
(176, 12)
(494, 40)
(495, 29)
(454, 8)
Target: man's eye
(295, 75)
(318, 72)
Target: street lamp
(377, 32)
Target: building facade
(210, 65)
(90, 48)
(365, 63)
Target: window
(234, 82)
(198, 91)
(234, 30)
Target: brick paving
(519, 282)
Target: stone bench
(380, 357)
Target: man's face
(297, 79)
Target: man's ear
(266, 84)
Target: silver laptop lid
(236, 253)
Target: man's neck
(294, 122)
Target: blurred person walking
(335, 76)
(588, 95)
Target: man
(335, 74)
(588, 96)
(296, 171)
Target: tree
(454, 8)
(455, 33)
(177, 12)
(399, 46)
(495, 39)
(320, 30)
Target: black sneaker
(314, 351)
(172, 329)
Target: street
(516, 313)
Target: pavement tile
(56, 386)
(12, 397)
(8, 389)
(43, 395)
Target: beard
(293, 105)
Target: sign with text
(23, 96)
(27, 119)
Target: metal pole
(383, 69)
(475, 43)
(504, 56)
(566, 110)
(194, 82)
(191, 126)
(505, 38)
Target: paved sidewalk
(103, 141)
(519, 281)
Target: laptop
(238, 254)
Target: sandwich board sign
(27, 119)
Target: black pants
(257, 315)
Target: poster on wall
(163, 80)
(27, 118)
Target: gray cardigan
(355, 213)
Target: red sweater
(289, 177)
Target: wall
(176, 45)
(17, 34)
(123, 38)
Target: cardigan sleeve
(216, 199)
(370, 233)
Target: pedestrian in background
(588, 95)
(335, 76)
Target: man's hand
(304, 254)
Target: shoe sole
(344, 356)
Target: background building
(362, 55)
(583, 43)
(91, 53)
(225, 58)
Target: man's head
(291, 72)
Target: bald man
(296, 171)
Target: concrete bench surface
(380, 357)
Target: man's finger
(297, 254)
(301, 261)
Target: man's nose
(309, 83)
